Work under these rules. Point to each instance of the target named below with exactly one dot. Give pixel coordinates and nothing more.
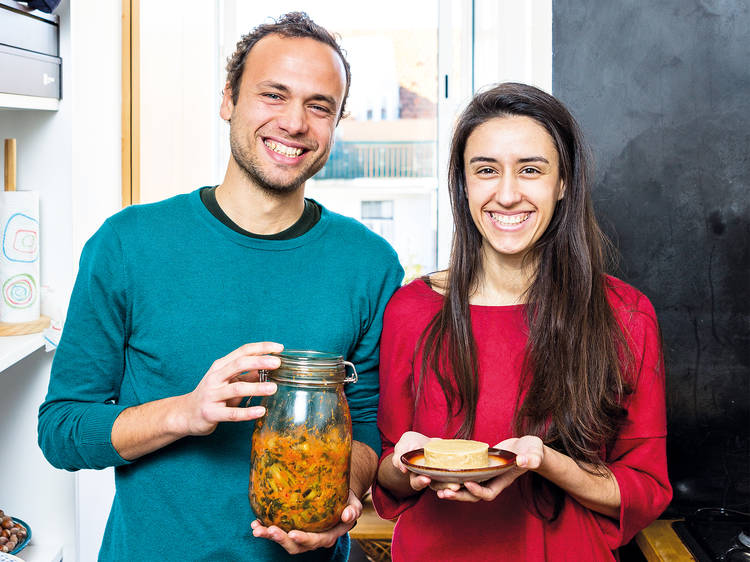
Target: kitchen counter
(659, 543)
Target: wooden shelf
(15, 348)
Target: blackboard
(662, 92)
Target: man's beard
(248, 163)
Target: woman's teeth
(509, 220)
(283, 149)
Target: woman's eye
(530, 171)
(485, 171)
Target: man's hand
(145, 428)
(229, 380)
(296, 541)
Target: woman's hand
(410, 441)
(529, 452)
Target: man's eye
(272, 96)
(320, 108)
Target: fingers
(296, 541)
(445, 486)
(250, 350)
(529, 461)
(472, 492)
(463, 495)
(240, 389)
(419, 482)
(245, 367)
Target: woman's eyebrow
(524, 160)
(533, 159)
(482, 159)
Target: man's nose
(293, 119)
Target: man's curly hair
(291, 25)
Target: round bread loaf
(456, 454)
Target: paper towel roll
(19, 256)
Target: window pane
(385, 155)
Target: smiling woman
(513, 185)
(524, 343)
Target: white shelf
(15, 101)
(41, 552)
(15, 348)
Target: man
(165, 289)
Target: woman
(526, 344)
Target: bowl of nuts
(14, 534)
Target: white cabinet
(71, 157)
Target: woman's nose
(508, 191)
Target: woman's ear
(562, 190)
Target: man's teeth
(509, 219)
(283, 149)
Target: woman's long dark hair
(573, 371)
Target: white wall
(96, 191)
(180, 98)
(513, 42)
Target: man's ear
(227, 107)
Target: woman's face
(513, 184)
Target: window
(377, 210)
(413, 70)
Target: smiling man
(178, 304)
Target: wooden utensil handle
(10, 164)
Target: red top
(432, 529)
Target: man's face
(282, 126)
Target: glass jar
(301, 448)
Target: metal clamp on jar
(301, 448)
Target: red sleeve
(638, 458)
(403, 323)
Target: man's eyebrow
(273, 85)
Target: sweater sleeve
(396, 410)
(75, 420)
(363, 396)
(638, 457)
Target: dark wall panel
(662, 91)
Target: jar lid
(310, 368)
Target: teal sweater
(164, 290)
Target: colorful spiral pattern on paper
(20, 291)
(21, 238)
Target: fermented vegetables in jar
(301, 448)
